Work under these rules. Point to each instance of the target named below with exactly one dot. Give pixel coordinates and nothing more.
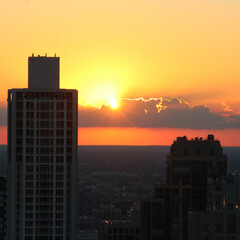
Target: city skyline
(133, 54)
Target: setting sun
(113, 103)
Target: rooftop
(182, 146)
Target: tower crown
(43, 72)
(197, 146)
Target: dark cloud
(156, 113)
(151, 113)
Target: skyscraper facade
(189, 165)
(221, 220)
(42, 156)
(192, 162)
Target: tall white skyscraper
(42, 156)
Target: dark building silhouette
(189, 165)
(192, 162)
(42, 156)
(3, 207)
(221, 220)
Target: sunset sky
(146, 71)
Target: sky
(146, 71)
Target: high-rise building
(189, 165)
(42, 156)
(192, 162)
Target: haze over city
(146, 72)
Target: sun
(113, 103)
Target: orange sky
(146, 136)
(143, 136)
(119, 48)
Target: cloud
(156, 113)
(151, 113)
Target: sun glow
(113, 103)
(100, 80)
(99, 95)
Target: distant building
(3, 207)
(42, 156)
(222, 218)
(189, 165)
(88, 235)
(121, 230)
(107, 213)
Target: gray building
(42, 156)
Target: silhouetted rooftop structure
(197, 146)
